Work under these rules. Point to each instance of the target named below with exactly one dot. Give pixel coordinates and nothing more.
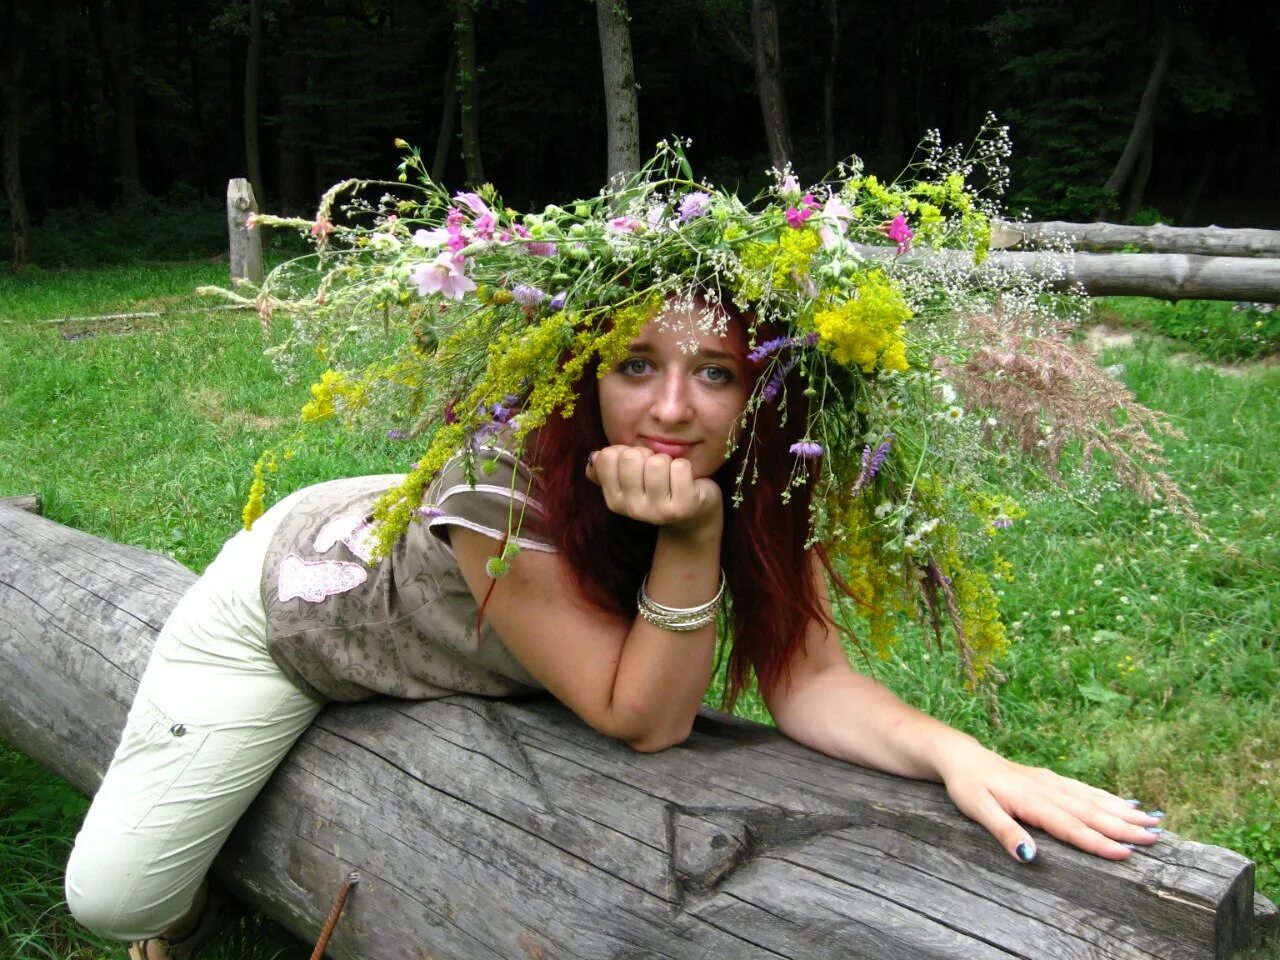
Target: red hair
(769, 576)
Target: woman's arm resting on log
(628, 679)
(828, 706)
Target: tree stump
(508, 829)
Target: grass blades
(1144, 660)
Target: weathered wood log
(26, 501)
(246, 243)
(1166, 276)
(1160, 238)
(504, 829)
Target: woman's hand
(655, 488)
(1002, 796)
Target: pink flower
(835, 216)
(430, 238)
(809, 202)
(484, 226)
(323, 227)
(624, 224)
(442, 275)
(796, 217)
(541, 249)
(455, 219)
(789, 185)
(898, 231)
(456, 241)
(251, 220)
(473, 203)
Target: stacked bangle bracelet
(679, 619)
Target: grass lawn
(1145, 659)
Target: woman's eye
(636, 365)
(718, 374)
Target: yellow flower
(867, 327)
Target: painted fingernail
(1026, 851)
(1134, 803)
(1131, 846)
(1154, 829)
(1155, 813)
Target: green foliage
(1217, 330)
(181, 226)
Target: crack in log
(697, 870)
(915, 866)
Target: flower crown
(448, 320)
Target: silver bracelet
(679, 619)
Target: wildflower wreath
(452, 320)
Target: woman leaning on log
(629, 544)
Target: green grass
(1156, 678)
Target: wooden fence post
(246, 243)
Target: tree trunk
(622, 114)
(14, 54)
(490, 828)
(1202, 181)
(469, 92)
(246, 243)
(768, 68)
(1141, 174)
(1144, 122)
(829, 86)
(448, 112)
(295, 181)
(117, 44)
(1099, 237)
(252, 82)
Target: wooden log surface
(508, 829)
(1159, 238)
(1165, 276)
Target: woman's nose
(671, 403)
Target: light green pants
(212, 719)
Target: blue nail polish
(1154, 829)
(1131, 846)
(1134, 803)
(1026, 851)
(1155, 813)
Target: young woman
(629, 544)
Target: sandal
(213, 917)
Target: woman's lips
(672, 448)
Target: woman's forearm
(847, 715)
(663, 674)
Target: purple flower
(872, 462)
(694, 205)
(396, 434)
(541, 249)
(430, 513)
(1002, 522)
(796, 217)
(774, 386)
(528, 296)
(778, 343)
(557, 302)
(807, 449)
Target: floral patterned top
(344, 629)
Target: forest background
(1131, 110)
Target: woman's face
(685, 405)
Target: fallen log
(1159, 238)
(1165, 276)
(508, 829)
